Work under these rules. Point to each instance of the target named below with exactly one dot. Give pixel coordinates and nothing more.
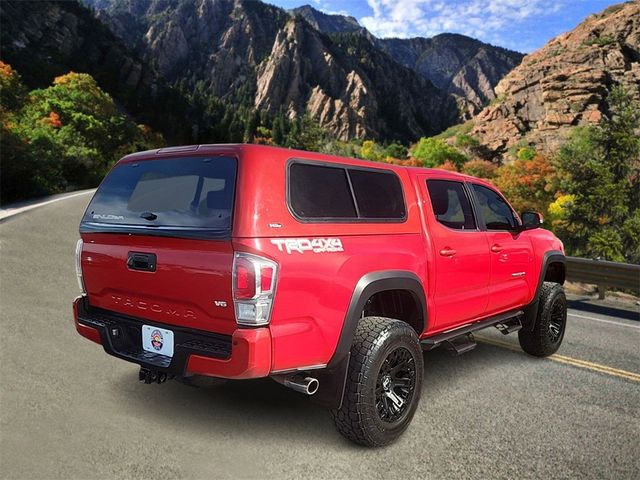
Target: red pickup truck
(330, 275)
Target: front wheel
(383, 383)
(551, 320)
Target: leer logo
(157, 340)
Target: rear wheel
(383, 384)
(548, 331)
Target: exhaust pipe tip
(306, 385)
(310, 385)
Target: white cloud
(487, 20)
(325, 7)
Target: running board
(509, 326)
(461, 344)
(508, 318)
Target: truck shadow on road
(585, 305)
(261, 410)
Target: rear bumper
(245, 354)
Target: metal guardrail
(604, 274)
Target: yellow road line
(596, 367)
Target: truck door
(511, 251)
(461, 253)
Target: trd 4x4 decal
(315, 245)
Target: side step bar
(509, 326)
(509, 322)
(461, 344)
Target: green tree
(251, 125)
(63, 136)
(396, 150)
(311, 135)
(480, 168)
(28, 168)
(528, 183)
(12, 91)
(370, 150)
(600, 168)
(433, 152)
(526, 153)
(278, 130)
(468, 145)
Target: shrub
(481, 169)
(433, 152)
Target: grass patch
(499, 99)
(455, 130)
(600, 41)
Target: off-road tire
(201, 381)
(551, 320)
(378, 339)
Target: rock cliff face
(459, 65)
(328, 23)
(350, 89)
(565, 83)
(301, 74)
(253, 53)
(218, 42)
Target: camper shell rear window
(184, 197)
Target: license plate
(157, 340)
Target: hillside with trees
(62, 137)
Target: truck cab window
(494, 209)
(451, 205)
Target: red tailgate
(191, 284)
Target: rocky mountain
(328, 23)
(251, 52)
(564, 84)
(210, 63)
(459, 65)
(349, 86)
(462, 66)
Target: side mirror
(531, 220)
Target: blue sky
(523, 25)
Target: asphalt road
(67, 410)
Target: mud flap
(332, 384)
(530, 314)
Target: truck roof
(280, 153)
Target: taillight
(79, 266)
(254, 282)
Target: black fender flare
(531, 310)
(333, 378)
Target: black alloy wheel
(384, 382)
(395, 385)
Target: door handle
(496, 248)
(447, 252)
(145, 262)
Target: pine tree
(251, 125)
(600, 169)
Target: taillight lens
(79, 266)
(245, 278)
(254, 282)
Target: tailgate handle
(142, 261)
